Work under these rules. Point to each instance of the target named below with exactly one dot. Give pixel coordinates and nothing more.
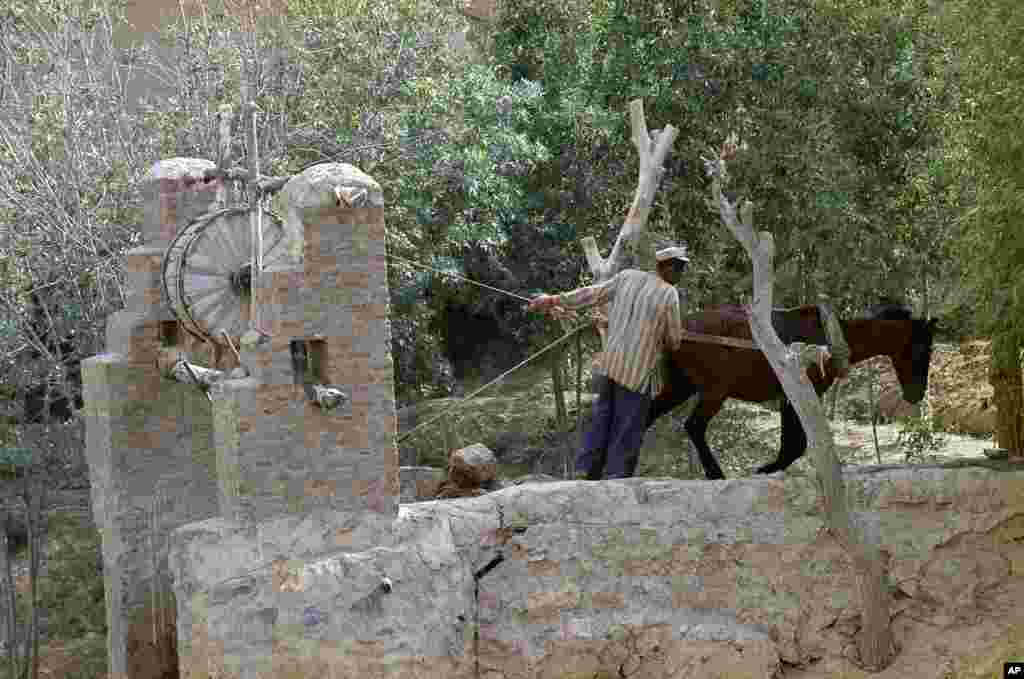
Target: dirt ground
(855, 443)
(960, 395)
(516, 418)
(959, 400)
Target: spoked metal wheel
(207, 271)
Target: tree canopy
(500, 144)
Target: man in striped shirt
(643, 320)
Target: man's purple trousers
(616, 432)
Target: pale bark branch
(652, 154)
(790, 364)
(652, 151)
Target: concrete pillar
(149, 442)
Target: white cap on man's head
(675, 252)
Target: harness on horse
(837, 345)
(838, 348)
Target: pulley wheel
(207, 271)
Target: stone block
(472, 466)
(174, 194)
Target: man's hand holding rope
(549, 303)
(542, 301)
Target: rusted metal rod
(262, 183)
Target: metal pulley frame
(207, 271)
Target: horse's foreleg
(696, 427)
(793, 443)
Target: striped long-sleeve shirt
(643, 320)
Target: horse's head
(914, 356)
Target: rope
(256, 226)
(687, 335)
(449, 273)
(231, 344)
(579, 386)
(496, 379)
(718, 339)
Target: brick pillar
(148, 440)
(282, 458)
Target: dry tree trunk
(875, 641)
(1004, 374)
(653, 148)
(561, 414)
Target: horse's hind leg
(697, 427)
(677, 392)
(793, 443)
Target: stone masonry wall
(149, 441)
(281, 455)
(255, 534)
(634, 578)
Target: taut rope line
(449, 273)
(687, 335)
(499, 377)
(496, 379)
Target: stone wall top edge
(151, 248)
(105, 358)
(714, 493)
(179, 166)
(441, 511)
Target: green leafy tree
(987, 50)
(824, 151)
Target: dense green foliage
(837, 159)
(500, 145)
(984, 132)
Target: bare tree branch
(875, 640)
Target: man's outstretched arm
(580, 298)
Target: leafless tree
(875, 641)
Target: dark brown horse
(719, 372)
